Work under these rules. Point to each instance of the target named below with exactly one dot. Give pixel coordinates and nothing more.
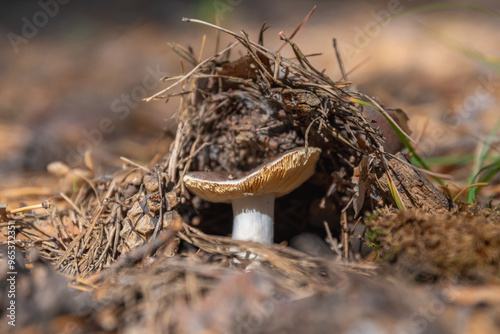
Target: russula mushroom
(252, 195)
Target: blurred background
(73, 73)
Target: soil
(371, 243)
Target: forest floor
(410, 271)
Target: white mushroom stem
(253, 218)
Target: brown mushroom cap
(279, 176)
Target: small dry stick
(44, 205)
(417, 141)
(75, 208)
(106, 248)
(195, 153)
(95, 219)
(339, 60)
(190, 73)
(329, 235)
(309, 129)
(217, 38)
(172, 164)
(118, 221)
(134, 256)
(160, 190)
(304, 21)
(358, 66)
(130, 162)
(345, 235)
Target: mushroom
(252, 196)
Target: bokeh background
(73, 73)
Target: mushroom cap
(280, 176)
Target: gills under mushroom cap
(279, 177)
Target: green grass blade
(453, 160)
(494, 170)
(400, 134)
(481, 159)
(394, 192)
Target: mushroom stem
(253, 218)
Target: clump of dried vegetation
(128, 239)
(456, 246)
